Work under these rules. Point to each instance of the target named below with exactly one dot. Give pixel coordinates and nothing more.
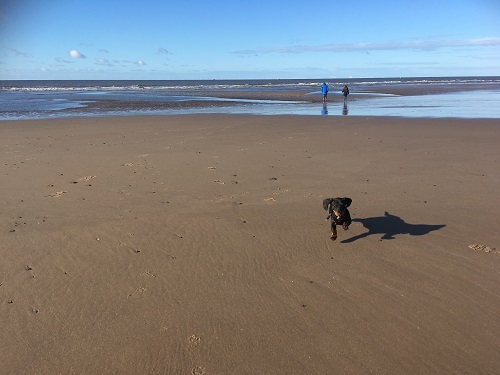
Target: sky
(240, 39)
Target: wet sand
(198, 245)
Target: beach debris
(212, 168)
(128, 165)
(219, 182)
(29, 268)
(270, 200)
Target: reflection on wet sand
(324, 110)
(345, 109)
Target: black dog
(338, 213)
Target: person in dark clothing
(345, 91)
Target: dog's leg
(333, 237)
(347, 221)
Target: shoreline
(445, 98)
(181, 243)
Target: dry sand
(199, 245)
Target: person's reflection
(324, 111)
(345, 109)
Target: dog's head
(338, 210)
(337, 206)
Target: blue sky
(239, 39)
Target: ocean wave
(282, 85)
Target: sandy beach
(198, 244)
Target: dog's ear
(327, 202)
(346, 201)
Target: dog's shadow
(389, 226)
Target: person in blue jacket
(324, 91)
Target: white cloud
(140, 62)
(76, 55)
(365, 47)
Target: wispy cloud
(163, 51)
(104, 62)
(76, 55)
(59, 60)
(367, 47)
(19, 53)
(406, 63)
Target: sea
(432, 97)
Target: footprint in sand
(137, 292)
(194, 340)
(486, 249)
(198, 370)
(56, 194)
(86, 178)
